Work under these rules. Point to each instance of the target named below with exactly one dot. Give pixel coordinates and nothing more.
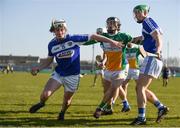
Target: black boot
(36, 107)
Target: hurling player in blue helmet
(152, 65)
(64, 48)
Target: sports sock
(103, 105)
(158, 104)
(141, 113)
(108, 107)
(125, 103)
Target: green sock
(108, 107)
(102, 105)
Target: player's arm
(42, 65)
(100, 38)
(101, 64)
(104, 58)
(90, 42)
(137, 40)
(157, 37)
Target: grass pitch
(19, 91)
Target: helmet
(116, 21)
(98, 58)
(141, 8)
(57, 24)
(99, 30)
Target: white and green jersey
(132, 57)
(115, 56)
(97, 67)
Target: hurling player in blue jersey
(65, 49)
(151, 67)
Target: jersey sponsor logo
(65, 54)
(69, 43)
(130, 55)
(60, 47)
(56, 48)
(109, 47)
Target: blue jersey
(67, 53)
(149, 26)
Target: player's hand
(34, 71)
(100, 64)
(159, 56)
(118, 44)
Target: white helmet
(57, 24)
(100, 30)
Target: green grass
(19, 91)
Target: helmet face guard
(57, 24)
(113, 24)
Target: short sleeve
(149, 25)
(80, 39)
(49, 50)
(127, 38)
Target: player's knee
(68, 102)
(46, 94)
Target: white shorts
(115, 76)
(151, 66)
(70, 83)
(99, 72)
(133, 74)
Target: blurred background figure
(173, 74)
(99, 65)
(165, 75)
(6, 69)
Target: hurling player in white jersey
(115, 71)
(132, 54)
(100, 61)
(152, 64)
(99, 65)
(66, 51)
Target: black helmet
(116, 20)
(113, 19)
